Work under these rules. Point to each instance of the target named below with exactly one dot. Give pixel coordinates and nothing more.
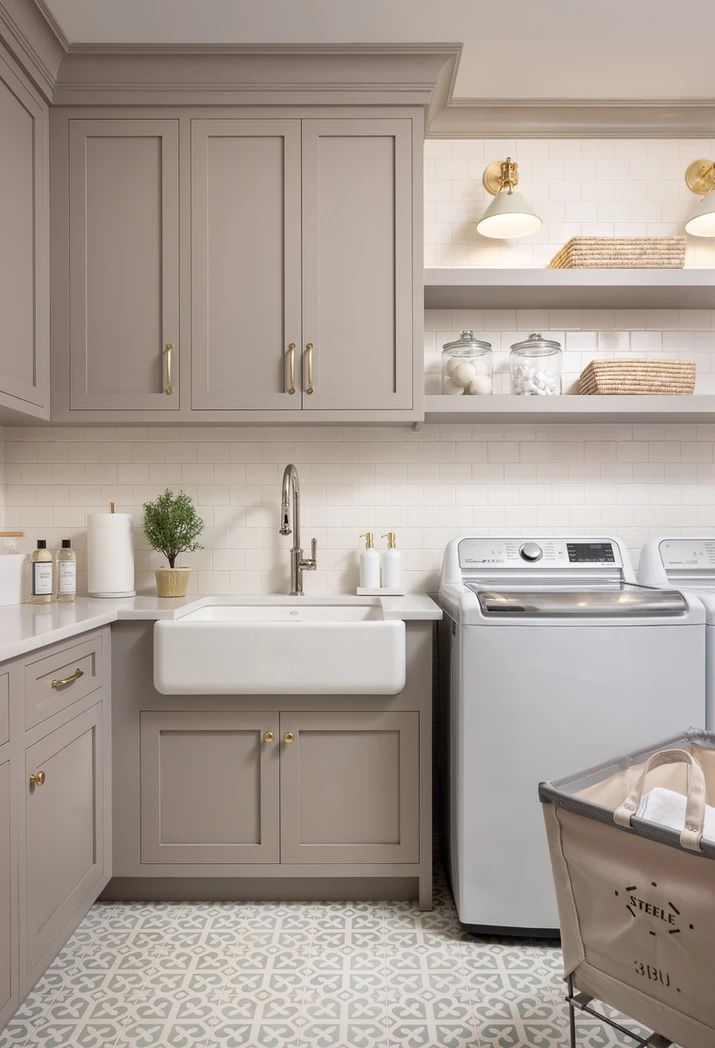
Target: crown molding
(574, 118)
(33, 42)
(53, 24)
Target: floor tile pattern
(293, 975)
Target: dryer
(554, 658)
(690, 564)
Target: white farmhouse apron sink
(280, 646)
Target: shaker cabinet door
(124, 264)
(349, 787)
(8, 904)
(209, 787)
(358, 305)
(245, 266)
(24, 244)
(63, 859)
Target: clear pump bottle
(66, 573)
(41, 563)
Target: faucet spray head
(285, 528)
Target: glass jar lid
(467, 341)
(537, 346)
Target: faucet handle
(313, 554)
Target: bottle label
(42, 578)
(66, 578)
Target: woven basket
(637, 377)
(621, 253)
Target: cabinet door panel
(8, 908)
(357, 263)
(124, 266)
(350, 787)
(245, 286)
(209, 787)
(24, 242)
(64, 829)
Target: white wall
(632, 480)
(580, 187)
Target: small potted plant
(172, 526)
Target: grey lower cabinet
(350, 787)
(121, 276)
(209, 787)
(24, 244)
(63, 855)
(8, 908)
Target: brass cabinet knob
(37, 778)
(268, 736)
(288, 737)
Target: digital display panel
(590, 552)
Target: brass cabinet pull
(288, 737)
(37, 778)
(268, 736)
(169, 383)
(291, 368)
(67, 680)
(309, 389)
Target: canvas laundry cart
(636, 899)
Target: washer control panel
(688, 554)
(540, 553)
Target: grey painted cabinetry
(124, 265)
(55, 832)
(278, 255)
(24, 245)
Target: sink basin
(290, 646)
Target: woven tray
(637, 377)
(621, 253)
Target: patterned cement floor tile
(297, 975)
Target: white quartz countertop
(26, 627)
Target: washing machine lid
(619, 602)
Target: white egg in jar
(481, 385)
(451, 387)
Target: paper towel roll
(110, 555)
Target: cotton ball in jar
(481, 385)
(452, 387)
(463, 373)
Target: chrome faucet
(298, 563)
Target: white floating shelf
(464, 288)
(569, 408)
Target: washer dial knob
(531, 551)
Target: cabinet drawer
(4, 707)
(62, 678)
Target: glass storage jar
(535, 366)
(467, 365)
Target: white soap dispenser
(369, 563)
(391, 563)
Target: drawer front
(57, 681)
(4, 707)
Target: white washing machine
(554, 660)
(688, 564)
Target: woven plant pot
(172, 582)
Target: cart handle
(692, 831)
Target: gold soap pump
(369, 563)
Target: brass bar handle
(169, 356)
(288, 737)
(309, 389)
(67, 680)
(291, 368)
(268, 736)
(37, 778)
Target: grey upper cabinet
(24, 245)
(357, 264)
(245, 264)
(123, 228)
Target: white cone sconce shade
(509, 214)
(700, 177)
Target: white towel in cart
(667, 808)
